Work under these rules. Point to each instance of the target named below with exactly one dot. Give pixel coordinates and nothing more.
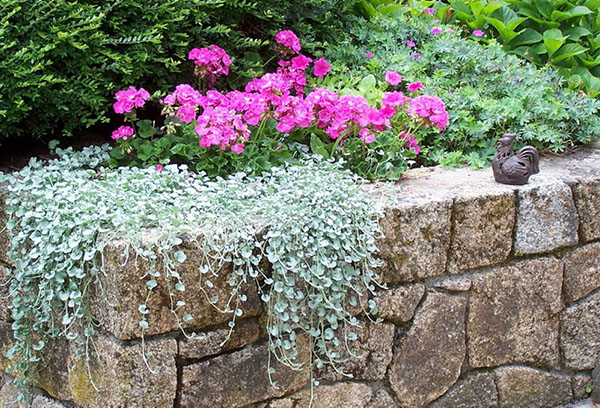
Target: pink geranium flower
(301, 62)
(129, 99)
(478, 33)
(413, 87)
(321, 67)
(415, 54)
(393, 78)
(436, 31)
(288, 39)
(123, 132)
(410, 44)
(429, 11)
(369, 54)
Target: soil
(15, 154)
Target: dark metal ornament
(511, 168)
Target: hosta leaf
(527, 36)
(553, 40)
(567, 51)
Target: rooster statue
(511, 168)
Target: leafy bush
(313, 222)
(60, 61)
(274, 120)
(486, 91)
(565, 34)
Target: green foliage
(564, 34)
(313, 223)
(61, 61)
(486, 91)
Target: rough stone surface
(417, 375)
(122, 379)
(382, 399)
(582, 272)
(474, 391)
(43, 402)
(398, 305)
(546, 218)
(4, 240)
(373, 348)
(453, 284)
(209, 343)
(5, 300)
(355, 395)
(587, 199)
(513, 314)
(416, 240)
(240, 378)
(525, 387)
(8, 395)
(125, 291)
(482, 226)
(596, 383)
(580, 383)
(580, 333)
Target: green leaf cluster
(487, 92)
(61, 61)
(563, 33)
(313, 223)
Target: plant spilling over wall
(486, 92)
(312, 222)
(60, 61)
(278, 116)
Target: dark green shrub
(486, 91)
(61, 61)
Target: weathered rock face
(123, 380)
(513, 314)
(374, 348)
(338, 395)
(416, 240)
(582, 272)
(587, 198)
(4, 239)
(398, 305)
(482, 225)
(547, 218)
(240, 378)
(526, 387)
(211, 343)
(5, 313)
(382, 400)
(580, 333)
(43, 402)
(476, 390)
(125, 290)
(418, 376)
(580, 383)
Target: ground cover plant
(278, 117)
(61, 61)
(486, 92)
(313, 223)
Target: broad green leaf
(317, 146)
(527, 36)
(506, 33)
(544, 7)
(575, 12)
(461, 7)
(369, 10)
(575, 33)
(553, 40)
(367, 83)
(567, 51)
(389, 9)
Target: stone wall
(492, 300)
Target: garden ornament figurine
(511, 168)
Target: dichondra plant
(312, 222)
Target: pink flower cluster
(212, 62)
(183, 103)
(289, 40)
(129, 99)
(123, 132)
(225, 119)
(431, 109)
